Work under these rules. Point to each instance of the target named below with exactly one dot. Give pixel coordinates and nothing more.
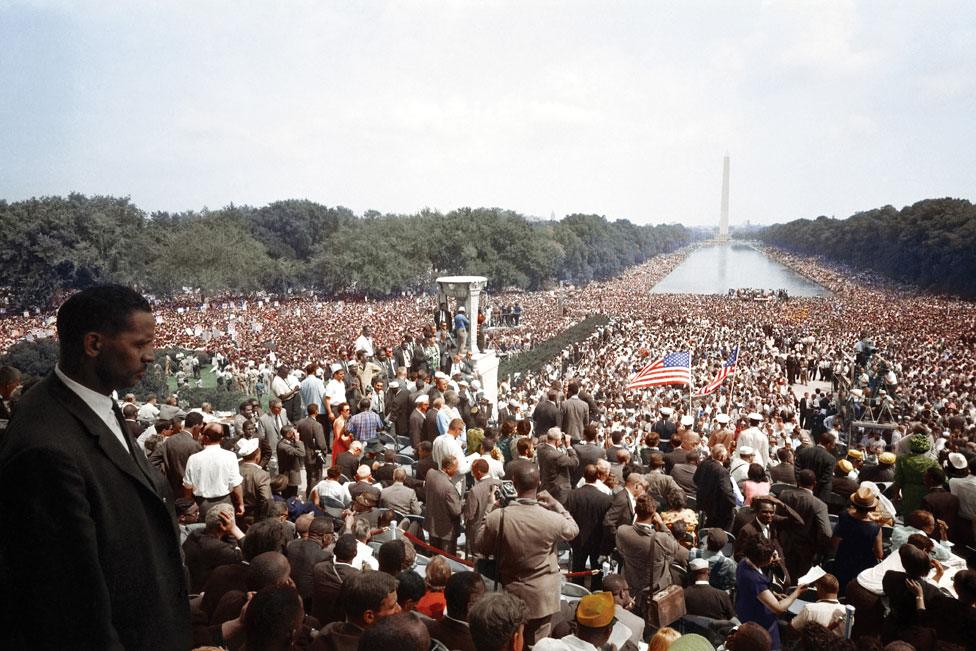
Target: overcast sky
(618, 108)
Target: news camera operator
(522, 537)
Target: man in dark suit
(348, 461)
(463, 590)
(767, 525)
(328, 577)
(820, 459)
(88, 535)
(588, 505)
(130, 412)
(621, 509)
(171, 454)
(703, 600)
(417, 419)
(813, 537)
(574, 413)
(546, 413)
(312, 435)
(715, 496)
(291, 459)
(556, 459)
(784, 472)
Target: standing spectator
(805, 542)
(365, 424)
(526, 546)
(556, 458)
(461, 328)
(715, 495)
(291, 459)
(820, 459)
(443, 521)
(588, 505)
(856, 538)
(120, 581)
(312, 436)
(574, 413)
(212, 475)
(255, 481)
(634, 546)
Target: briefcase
(666, 606)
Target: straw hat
(864, 498)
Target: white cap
(789, 427)
(247, 447)
(746, 451)
(666, 411)
(422, 398)
(394, 385)
(755, 416)
(441, 376)
(958, 461)
(722, 419)
(697, 564)
(687, 421)
(514, 403)
(335, 368)
(460, 309)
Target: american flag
(727, 369)
(673, 368)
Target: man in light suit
(525, 533)
(271, 423)
(398, 497)
(556, 459)
(479, 498)
(443, 521)
(90, 548)
(574, 413)
(634, 545)
(291, 460)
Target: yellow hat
(845, 465)
(886, 458)
(855, 454)
(595, 610)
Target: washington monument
(723, 222)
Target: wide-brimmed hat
(864, 498)
(754, 416)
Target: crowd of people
(822, 497)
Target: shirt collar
(91, 398)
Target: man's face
(765, 513)
(248, 411)
(274, 409)
(121, 358)
(340, 376)
(388, 608)
(192, 515)
(249, 429)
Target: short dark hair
(271, 615)
(806, 478)
(193, 419)
(756, 473)
(495, 619)
(458, 591)
(345, 548)
(759, 551)
(410, 585)
(263, 536)
(364, 591)
(750, 637)
(403, 631)
(717, 539)
(390, 556)
(103, 308)
(267, 568)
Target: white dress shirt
(98, 403)
(446, 445)
(212, 472)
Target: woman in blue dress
(857, 538)
(754, 601)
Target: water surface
(717, 268)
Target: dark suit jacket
(806, 541)
(327, 578)
(514, 464)
(750, 532)
(455, 635)
(554, 467)
(588, 505)
(705, 601)
(619, 514)
(348, 462)
(303, 555)
(783, 473)
(170, 458)
(88, 537)
(587, 454)
(291, 460)
(415, 427)
(821, 462)
(715, 496)
(545, 416)
(312, 435)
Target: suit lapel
(107, 441)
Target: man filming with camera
(522, 537)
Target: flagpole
(735, 376)
(690, 388)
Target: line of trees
(52, 244)
(930, 244)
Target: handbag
(488, 567)
(665, 606)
